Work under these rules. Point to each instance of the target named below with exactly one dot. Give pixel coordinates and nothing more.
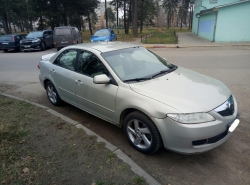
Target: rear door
(63, 37)
(64, 75)
(6, 41)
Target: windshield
(35, 34)
(137, 63)
(102, 33)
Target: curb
(180, 46)
(133, 166)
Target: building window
(213, 1)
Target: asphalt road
(227, 164)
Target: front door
(98, 99)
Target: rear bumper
(9, 47)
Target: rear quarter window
(63, 31)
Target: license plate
(28, 46)
(5, 43)
(64, 42)
(234, 125)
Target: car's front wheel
(142, 133)
(43, 46)
(52, 94)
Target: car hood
(185, 90)
(96, 38)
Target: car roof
(65, 27)
(104, 29)
(104, 46)
(13, 34)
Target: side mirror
(101, 79)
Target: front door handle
(79, 82)
(52, 71)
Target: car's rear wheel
(43, 46)
(5, 50)
(52, 94)
(142, 133)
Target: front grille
(26, 43)
(210, 140)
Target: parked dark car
(65, 36)
(37, 40)
(11, 41)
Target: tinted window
(67, 59)
(35, 34)
(5, 38)
(63, 31)
(90, 65)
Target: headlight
(192, 118)
(21, 42)
(37, 40)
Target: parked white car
(152, 100)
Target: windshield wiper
(165, 71)
(138, 79)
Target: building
(222, 20)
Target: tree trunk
(117, 14)
(41, 22)
(106, 14)
(141, 24)
(135, 18)
(6, 26)
(90, 27)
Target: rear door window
(67, 59)
(63, 31)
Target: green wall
(233, 23)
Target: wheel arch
(126, 112)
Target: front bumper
(195, 138)
(30, 46)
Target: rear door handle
(79, 82)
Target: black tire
(52, 94)
(58, 49)
(43, 46)
(142, 133)
(5, 50)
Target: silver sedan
(155, 102)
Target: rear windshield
(6, 38)
(63, 31)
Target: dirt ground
(39, 148)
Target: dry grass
(35, 150)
